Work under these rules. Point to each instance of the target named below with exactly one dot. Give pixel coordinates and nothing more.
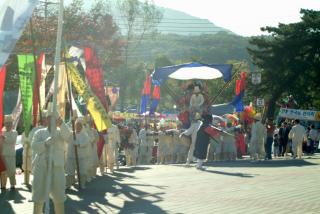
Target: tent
(193, 70)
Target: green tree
(289, 61)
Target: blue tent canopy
(193, 70)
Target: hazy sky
(244, 17)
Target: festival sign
(94, 106)
(299, 114)
(26, 78)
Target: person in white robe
(27, 156)
(132, 150)
(92, 149)
(112, 140)
(80, 143)
(45, 144)
(143, 146)
(192, 131)
(9, 137)
(297, 134)
(258, 136)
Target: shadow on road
(101, 194)
(269, 163)
(237, 174)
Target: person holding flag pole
(48, 174)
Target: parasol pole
(57, 60)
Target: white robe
(192, 130)
(297, 134)
(9, 152)
(40, 165)
(258, 135)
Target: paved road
(278, 186)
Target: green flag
(26, 77)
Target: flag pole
(72, 121)
(57, 60)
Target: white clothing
(258, 135)
(196, 102)
(40, 164)
(192, 130)
(9, 152)
(297, 134)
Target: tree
(289, 60)
(139, 20)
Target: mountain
(177, 22)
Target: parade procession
(78, 109)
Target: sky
(243, 17)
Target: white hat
(80, 120)
(257, 116)
(196, 89)
(197, 116)
(8, 118)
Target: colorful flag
(2, 83)
(145, 97)
(36, 89)
(240, 87)
(13, 17)
(94, 106)
(94, 75)
(155, 99)
(26, 78)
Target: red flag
(156, 92)
(36, 87)
(94, 74)
(243, 80)
(147, 86)
(238, 87)
(2, 82)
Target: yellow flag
(94, 106)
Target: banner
(16, 113)
(94, 106)
(36, 89)
(2, 82)
(94, 74)
(14, 15)
(113, 94)
(26, 77)
(299, 114)
(62, 90)
(145, 97)
(156, 99)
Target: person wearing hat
(205, 132)
(297, 134)
(196, 100)
(9, 137)
(93, 158)
(258, 135)
(27, 152)
(82, 142)
(131, 150)
(110, 149)
(45, 144)
(192, 131)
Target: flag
(155, 99)
(26, 78)
(94, 75)
(16, 113)
(36, 89)
(2, 82)
(240, 88)
(94, 106)
(13, 17)
(145, 94)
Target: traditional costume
(258, 135)
(297, 134)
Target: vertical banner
(145, 95)
(13, 17)
(2, 82)
(62, 90)
(94, 75)
(26, 77)
(36, 89)
(94, 106)
(155, 99)
(113, 93)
